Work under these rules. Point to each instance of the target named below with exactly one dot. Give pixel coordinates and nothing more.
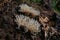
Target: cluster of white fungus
(29, 23)
(28, 9)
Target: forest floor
(8, 26)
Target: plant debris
(21, 19)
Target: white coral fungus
(29, 23)
(28, 9)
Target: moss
(56, 5)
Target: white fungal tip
(28, 9)
(29, 23)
